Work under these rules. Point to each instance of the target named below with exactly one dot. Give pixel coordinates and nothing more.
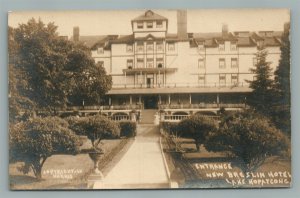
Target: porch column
(125, 80)
(140, 99)
(169, 98)
(141, 75)
(130, 99)
(218, 99)
(159, 99)
(190, 97)
(158, 78)
(109, 101)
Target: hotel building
(181, 73)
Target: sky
(119, 21)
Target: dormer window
(100, 50)
(221, 47)
(171, 46)
(233, 46)
(150, 24)
(140, 25)
(159, 24)
(201, 46)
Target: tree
(96, 128)
(281, 110)
(196, 127)
(262, 85)
(56, 72)
(248, 136)
(33, 141)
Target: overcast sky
(118, 22)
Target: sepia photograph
(149, 99)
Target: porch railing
(201, 106)
(178, 118)
(179, 85)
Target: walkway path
(142, 166)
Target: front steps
(148, 116)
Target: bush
(35, 140)
(169, 127)
(96, 128)
(196, 127)
(127, 129)
(250, 137)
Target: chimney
(224, 30)
(182, 24)
(76, 34)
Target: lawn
(65, 171)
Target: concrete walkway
(142, 166)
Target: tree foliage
(33, 141)
(55, 71)
(196, 127)
(96, 128)
(250, 137)
(281, 109)
(262, 95)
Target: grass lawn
(64, 171)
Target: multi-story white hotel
(151, 68)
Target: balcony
(201, 106)
(171, 88)
(148, 70)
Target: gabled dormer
(149, 23)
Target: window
(140, 79)
(101, 63)
(159, 46)
(222, 64)
(221, 47)
(150, 46)
(130, 64)
(140, 25)
(234, 63)
(149, 62)
(129, 48)
(140, 63)
(234, 79)
(140, 47)
(254, 61)
(201, 63)
(254, 78)
(222, 79)
(159, 24)
(159, 62)
(233, 46)
(171, 46)
(201, 79)
(150, 24)
(201, 47)
(100, 50)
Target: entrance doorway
(150, 102)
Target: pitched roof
(150, 16)
(89, 41)
(104, 42)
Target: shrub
(196, 127)
(96, 128)
(127, 129)
(250, 137)
(169, 127)
(35, 140)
